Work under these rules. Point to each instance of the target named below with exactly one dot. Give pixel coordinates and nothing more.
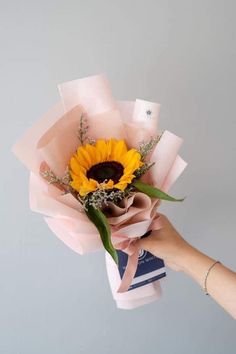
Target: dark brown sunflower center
(106, 170)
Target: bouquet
(98, 171)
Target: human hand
(178, 254)
(167, 244)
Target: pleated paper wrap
(53, 140)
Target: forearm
(221, 282)
(169, 245)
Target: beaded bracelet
(206, 276)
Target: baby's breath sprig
(146, 147)
(100, 198)
(83, 129)
(143, 169)
(91, 141)
(51, 178)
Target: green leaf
(100, 221)
(154, 192)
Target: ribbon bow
(131, 247)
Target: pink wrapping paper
(52, 140)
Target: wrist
(182, 256)
(196, 264)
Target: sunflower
(108, 164)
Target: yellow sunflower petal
(101, 147)
(76, 185)
(88, 186)
(130, 156)
(73, 176)
(109, 184)
(90, 149)
(75, 166)
(111, 144)
(119, 150)
(84, 158)
(78, 181)
(127, 178)
(133, 166)
(121, 185)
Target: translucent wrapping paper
(53, 140)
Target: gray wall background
(180, 53)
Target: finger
(163, 218)
(147, 242)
